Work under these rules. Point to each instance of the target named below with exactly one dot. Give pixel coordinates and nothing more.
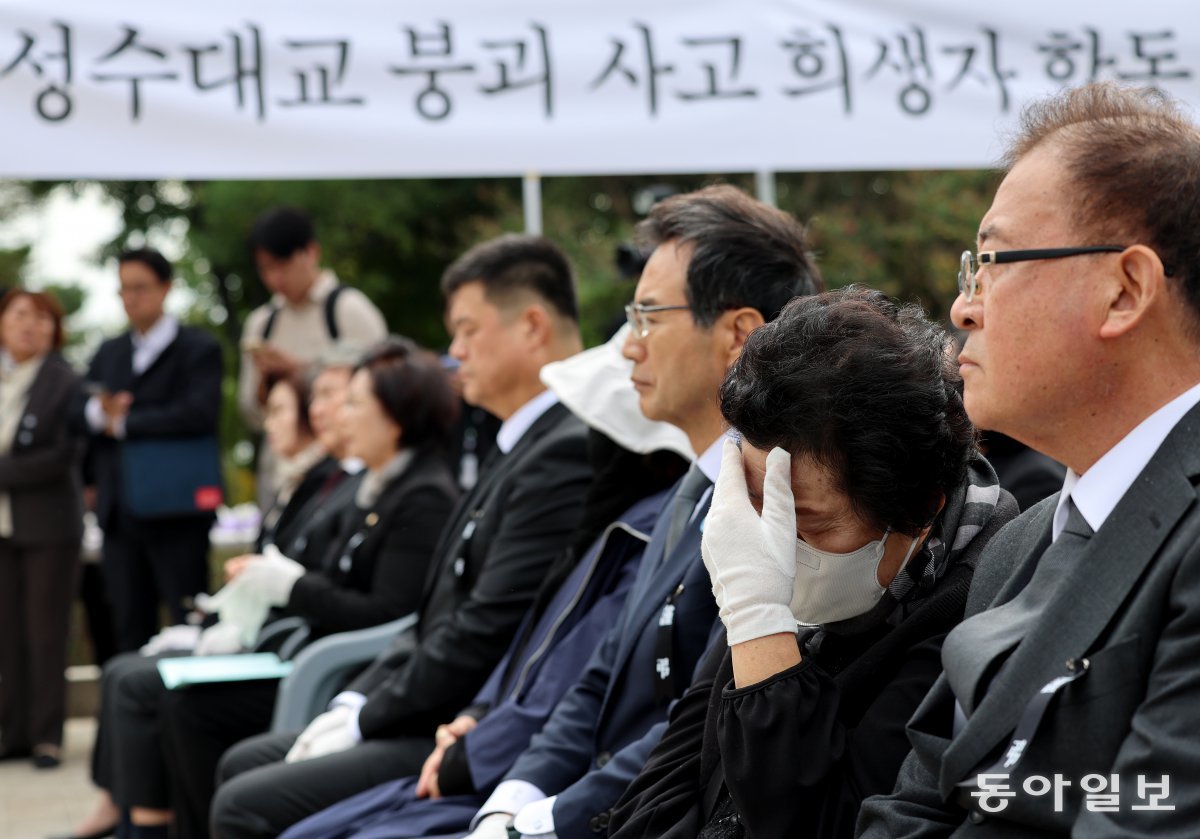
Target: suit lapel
(1087, 597)
(476, 500)
(661, 579)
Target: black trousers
(140, 757)
(260, 796)
(37, 587)
(197, 726)
(146, 562)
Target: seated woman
(398, 411)
(855, 507)
(304, 464)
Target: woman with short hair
(41, 524)
(840, 544)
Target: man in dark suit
(511, 308)
(159, 380)
(1067, 697)
(722, 264)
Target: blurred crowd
(773, 561)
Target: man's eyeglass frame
(969, 262)
(635, 315)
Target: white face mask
(832, 587)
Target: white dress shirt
(513, 429)
(1098, 490)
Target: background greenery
(901, 232)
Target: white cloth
(508, 798)
(15, 381)
(513, 429)
(270, 577)
(355, 702)
(222, 638)
(327, 734)
(494, 826)
(182, 637)
(751, 558)
(596, 386)
(536, 819)
(1098, 490)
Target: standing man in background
(157, 381)
(308, 311)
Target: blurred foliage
(901, 232)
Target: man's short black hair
(281, 231)
(513, 263)
(865, 387)
(151, 258)
(745, 253)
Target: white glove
(179, 638)
(333, 731)
(222, 638)
(238, 605)
(271, 576)
(751, 559)
(494, 826)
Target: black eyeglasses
(969, 263)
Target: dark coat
(794, 755)
(483, 576)
(179, 395)
(373, 572)
(602, 731)
(1130, 605)
(315, 486)
(42, 471)
(544, 660)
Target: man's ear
(314, 253)
(537, 325)
(741, 322)
(1135, 284)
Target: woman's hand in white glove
(751, 558)
(271, 576)
(222, 638)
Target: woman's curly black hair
(866, 387)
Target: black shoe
(46, 760)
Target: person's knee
(250, 754)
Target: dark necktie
(978, 643)
(691, 488)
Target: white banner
(356, 88)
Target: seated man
(1066, 702)
(511, 306)
(722, 265)
(634, 457)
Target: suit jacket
(373, 572)
(483, 576)
(42, 471)
(1130, 606)
(604, 728)
(179, 395)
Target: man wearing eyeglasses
(1067, 701)
(722, 264)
